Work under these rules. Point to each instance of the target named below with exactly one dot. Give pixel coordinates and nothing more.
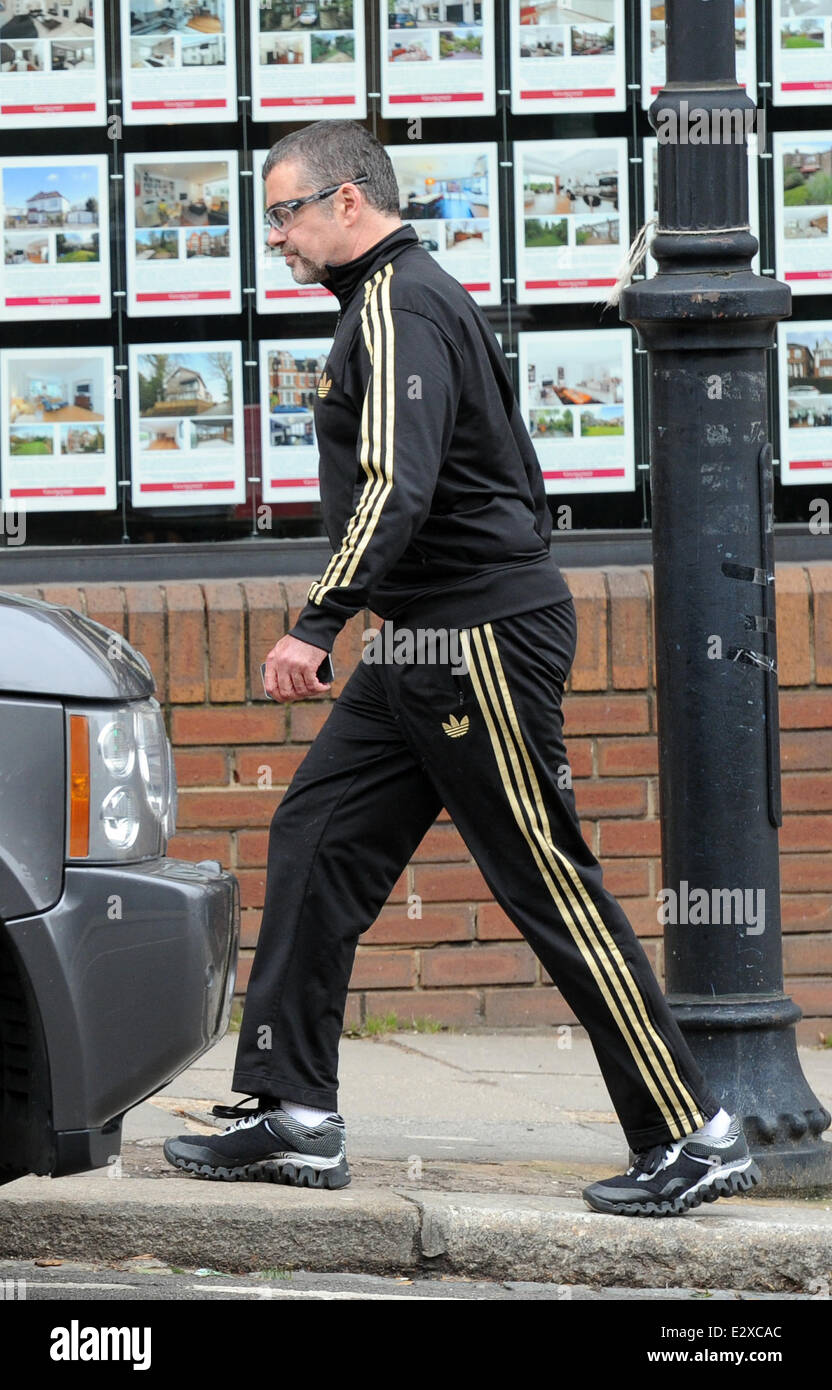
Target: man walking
(433, 499)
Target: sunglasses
(280, 215)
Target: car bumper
(134, 971)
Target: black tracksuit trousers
(385, 762)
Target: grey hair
(330, 152)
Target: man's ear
(351, 204)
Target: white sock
(307, 1114)
(717, 1127)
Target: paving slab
(476, 1095)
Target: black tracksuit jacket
(431, 493)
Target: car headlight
(150, 743)
(117, 748)
(121, 789)
(120, 818)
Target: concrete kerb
(238, 1227)
(762, 1247)
(767, 1247)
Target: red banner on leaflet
(566, 284)
(53, 109)
(46, 300)
(550, 93)
(346, 100)
(584, 473)
(186, 487)
(57, 492)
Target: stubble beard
(306, 272)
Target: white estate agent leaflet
(801, 42)
(567, 57)
(450, 194)
(307, 60)
(805, 365)
(57, 447)
(182, 233)
(437, 59)
(570, 200)
(290, 373)
(178, 61)
(186, 424)
(802, 209)
(52, 64)
(576, 393)
(56, 238)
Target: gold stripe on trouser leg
(551, 862)
(671, 1073)
(377, 433)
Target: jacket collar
(345, 278)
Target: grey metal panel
(32, 816)
(128, 1001)
(54, 651)
(267, 559)
(114, 564)
(309, 555)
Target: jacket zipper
(332, 344)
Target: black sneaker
(670, 1179)
(266, 1145)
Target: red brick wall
(464, 963)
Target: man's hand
(290, 670)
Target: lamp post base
(747, 1048)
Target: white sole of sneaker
(296, 1170)
(728, 1180)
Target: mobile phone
(324, 673)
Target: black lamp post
(706, 321)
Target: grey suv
(117, 964)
